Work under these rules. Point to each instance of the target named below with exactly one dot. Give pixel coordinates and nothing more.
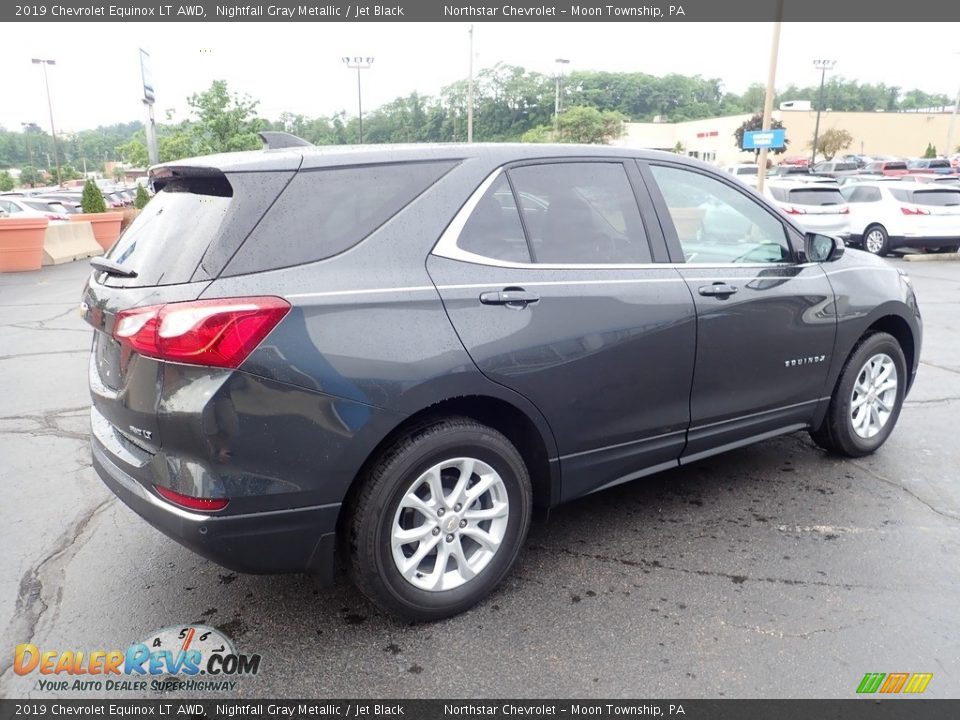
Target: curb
(932, 257)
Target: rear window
(168, 238)
(326, 211)
(895, 166)
(845, 166)
(746, 171)
(940, 197)
(816, 196)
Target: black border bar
(738, 11)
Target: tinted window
(494, 229)
(861, 194)
(901, 195)
(940, 197)
(845, 166)
(580, 213)
(323, 212)
(746, 171)
(176, 225)
(718, 224)
(895, 166)
(816, 196)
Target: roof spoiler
(273, 140)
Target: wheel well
(899, 328)
(495, 413)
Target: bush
(142, 198)
(92, 199)
(6, 181)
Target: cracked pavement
(771, 571)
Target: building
(902, 134)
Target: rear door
(765, 322)
(548, 275)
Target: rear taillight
(215, 333)
(191, 503)
(914, 211)
(795, 210)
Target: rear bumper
(921, 241)
(276, 541)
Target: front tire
(439, 520)
(876, 241)
(867, 400)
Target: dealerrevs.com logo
(189, 658)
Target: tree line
(510, 104)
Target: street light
(556, 102)
(53, 130)
(358, 64)
(822, 66)
(29, 127)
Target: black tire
(370, 561)
(836, 434)
(867, 243)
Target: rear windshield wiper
(112, 268)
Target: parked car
(890, 168)
(788, 170)
(886, 216)
(744, 172)
(939, 179)
(835, 169)
(71, 205)
(938, 166)
(798, 160)
(816, 206)
(383, 355)
(34, 207)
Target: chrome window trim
(447, 247)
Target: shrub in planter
(142, 198)
(21, 243)
(106, 225)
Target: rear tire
(867, 400)
(439, 520)
(876, 241)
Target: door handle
(511, 297)
(721, 289)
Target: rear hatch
(818, 207)
(935, 210)
(171, 252)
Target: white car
(25, 207)
(815, 203)
(885, 216)
(744, 172)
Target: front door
(765, 323)
(560, 301)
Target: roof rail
(273, 140)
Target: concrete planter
(21, 243)
(106, 226)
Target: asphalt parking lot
(772, 571)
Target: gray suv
(387, 358)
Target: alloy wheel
(874, 396)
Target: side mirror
(823, 248)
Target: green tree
(30, 176)
(678, 149)
(539, 134)
(588, 125)
(134, 152)
(6, 181)
(142, 198)
(69, 172)
(931, 151)
(225, 122)
(756, 123)
(832, 141)
(91, 201)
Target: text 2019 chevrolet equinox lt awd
(388, 357)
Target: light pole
(56, 148)
(470, 92)
(556, 101)
(768, 96)
(27, 129)
(822, 66)
(948, 151)
(358, 64)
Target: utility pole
(822, 66)
(358, 64)
(948, 150)
(470, 92)
(53, 130)
(768, 98)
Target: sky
(297, 67)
